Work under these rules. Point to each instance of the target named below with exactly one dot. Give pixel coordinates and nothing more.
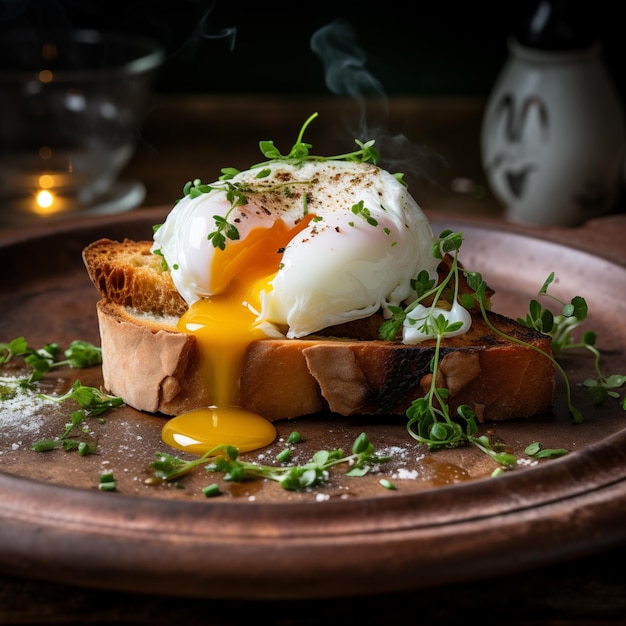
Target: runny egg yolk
(225, 325)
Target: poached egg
(284, 250)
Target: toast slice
(344, 369)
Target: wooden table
(189, 137)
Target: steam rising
(344, 61)
(346, 74)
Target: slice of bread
(130, 274)
(344, 369)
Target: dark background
(224, 46)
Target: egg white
(339, 268)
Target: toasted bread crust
(128, 273)
(155, 368)
(498, 379)
(147, 363)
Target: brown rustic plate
(447, 521)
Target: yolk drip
(224, 325)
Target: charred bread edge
(156, 368)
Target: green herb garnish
(560, 327)
(107, 482)
(362, 211)
(79, 354)
(537, 451)
(92, 401)
(224, 459)
(430, 422)
(387, 484)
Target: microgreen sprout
(429, 419)
(540, 320)
(475, 280)
(362, 211)
(537, 451)
(300, 151)
(40, 361)
(92, 402)
(560, 327)
(225, 460)
(13, 348)
(431, 424)
(427, 290)
(235, 194)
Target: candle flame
(44, 202)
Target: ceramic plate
(447, 521)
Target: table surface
(436, 142)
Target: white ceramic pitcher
(553, 136)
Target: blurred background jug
(553, 138)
